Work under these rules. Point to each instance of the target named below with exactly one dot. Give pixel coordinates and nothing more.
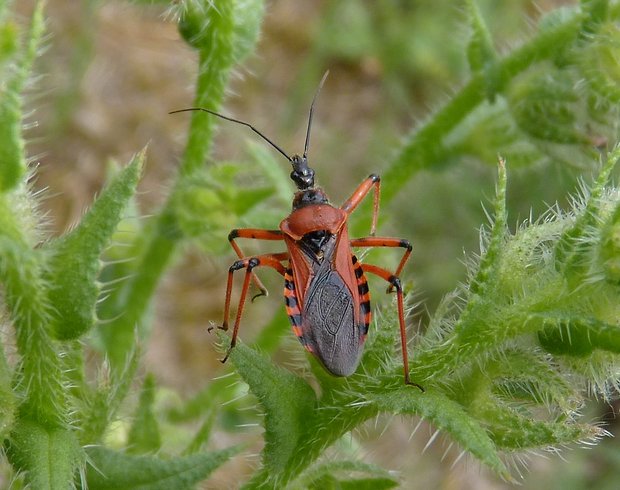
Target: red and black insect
(325, 289)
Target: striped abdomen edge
(292, 307)
(364, 296)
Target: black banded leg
(253, 234)
(373, 242)
(269, 260)
(395, 282)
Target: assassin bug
(325, 289)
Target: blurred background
(113, 70)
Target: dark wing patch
(328, 323)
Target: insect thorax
(309, 197)
(316, 243)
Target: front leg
(253, 234)
(373, 181)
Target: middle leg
(269, 260)
(386, 242)
(253, 234)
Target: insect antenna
(318, 90)
(302, 174)
(243, 123)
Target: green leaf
(9, 43)
(595, 12)
(480, 50)
(207, 202)
(490, 260)
(599, 61)
(331, 474)
(570, 248)
(272, 169)
(608, 250)
(211, 31)
(220, 389)
(248, 18)
(490, 129)
(144, 436)
(8, 401)
(425, 146)
(446, 415)
(119, 265)
(201, 22)
(528, 374)
(100, 407)
(39, 375)
(575, 336)
(271, 335)
(511, 430)
(380, 353)
(214, 32)
(112, 470)
(330, 482)
(545, 106)
(49, 457)
(202, 435)
(75, 258)
(287, 399)
(12, 159)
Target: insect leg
(395, 282)
(373, 181)
(386, 242)
(254, 234)
(270, 260)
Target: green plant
(505, 359)
(53, 418)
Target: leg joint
(406, 244)
(253, 262)
(233, 234)
(395, 282)
(248, 264)
(374, 177)
(239, 264)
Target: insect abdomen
(364, 296)
(329, 324)
(292, 305)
